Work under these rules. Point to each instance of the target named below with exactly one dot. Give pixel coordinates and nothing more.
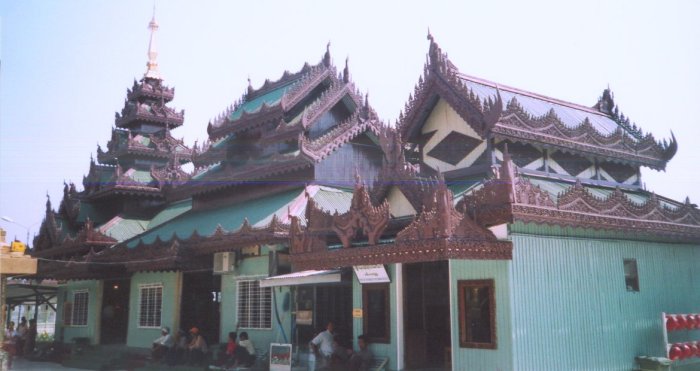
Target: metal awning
(310, 277)
(20, 292)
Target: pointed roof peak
(152, 64)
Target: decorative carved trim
(362, 217)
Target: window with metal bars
(254, 305)
(79, 310)
(150, 305)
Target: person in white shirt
(246, 350)
(162, 344)
(322, 344)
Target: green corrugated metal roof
(171, 211)
(271, 98)
(122, 229)
(230, 218)
(459, 187)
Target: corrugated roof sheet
(171, 211)
(571, 115)
(230, 217)
(122, 229)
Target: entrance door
(325, 303)
(426, 314)
(199, 306)
(115, 312)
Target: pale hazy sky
(66, 66)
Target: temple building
(490, 228)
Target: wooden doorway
(115, 311)
(200, 304)
(426, 315)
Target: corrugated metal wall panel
(499, 359)
(571, 308)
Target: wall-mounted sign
(280, 357)
(305, 317)
(371, 273)
(356, 312)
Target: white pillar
(398, 284)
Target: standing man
(322, 345)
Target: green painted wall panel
(170, 315)
(255, 268)
(483, 359)
(572, 311)
(65, 293)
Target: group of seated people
(329, 354)
(178, 349)
(192, 350)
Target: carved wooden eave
(87, 239)
(207, 154)
(160, 147)
(441, 79)
(152, 91)
(142, 112)
(517, 125)
(81, 267)
(509, 197)
(437, 233)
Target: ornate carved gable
(440, 220)
(440, 79)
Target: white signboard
(371, 273)
(280, 357)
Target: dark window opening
(375, 303)
(631, 275)
(477, 314)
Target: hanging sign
(371, 273)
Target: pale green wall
(170, 316)
(254, 268)
(571, 309)
(379, 350)
(484, 359)
(65, 292)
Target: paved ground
(23, 364)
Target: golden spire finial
(152, 64)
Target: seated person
(162, 345)
(228, 355)
(245, 351)
(362, 359)
(197, 347)
(178, 352)
(340, 354)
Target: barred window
(254, 305)
(79, 310)
(150, 304)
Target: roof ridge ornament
(327, 56)
(152, 64)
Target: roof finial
(327, 56)
(430, 36)
(250, 86)
(152, 64)
(346, 71)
